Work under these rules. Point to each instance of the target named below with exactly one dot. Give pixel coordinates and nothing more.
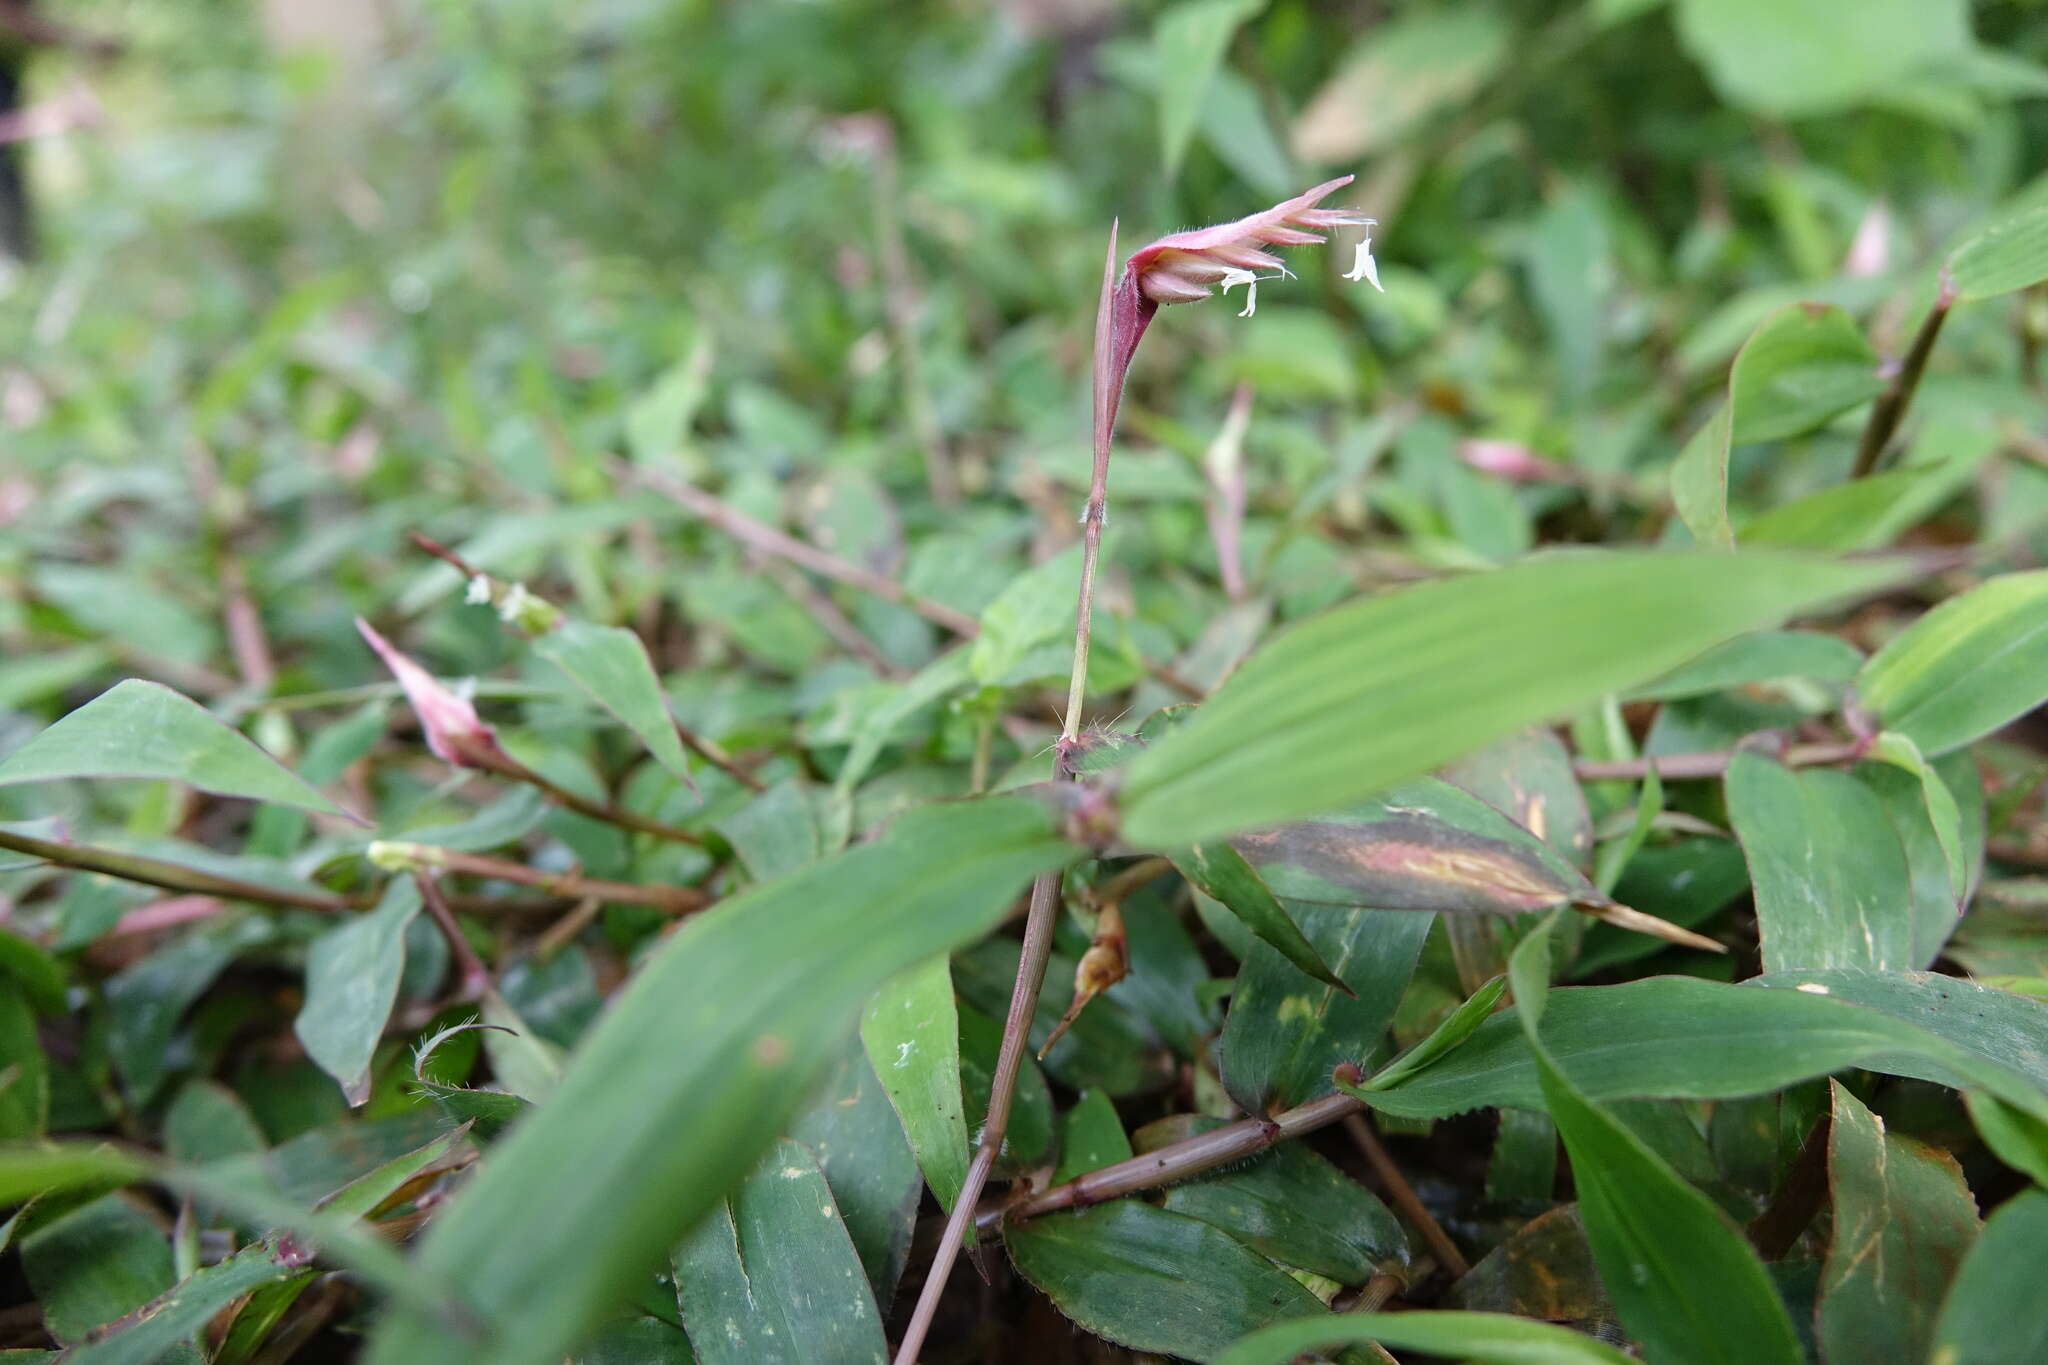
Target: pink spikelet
(1183, 267)
(453, 729)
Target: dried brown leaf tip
(1107, 961)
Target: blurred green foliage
(312, 279)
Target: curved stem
(596, 810)
(1111, 358)
(173, 876)
(1711, 763)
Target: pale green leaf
(610, 664)
(912, 1034)
(1384, 689)
(145, 730)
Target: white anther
(1250, 282)
(1363, 267)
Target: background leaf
(1817, 56)
(1489, 1338)
(772, 1275)
(1285, 1031)
(1829, 872)
(352, 975)
(1153, 1280)
(1965, 668)
(143, 729)
(911, 1031)
(2008, 255)
(1804, 365)
(1289, 1204)
(611, 665)
(1984, 1317)
(1189, 41)
(1903, 1221)
(1687, 1284)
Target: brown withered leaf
(1425, 845)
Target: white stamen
(1250, 282)
(479, 591)
(1363, 267)
(515, 602)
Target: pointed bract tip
(453, 730)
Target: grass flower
(453, 729)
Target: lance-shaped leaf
(1903, 1221)
(1828, 868)
(1219, 871)
(771, 1275)
(1289, 1204)
(1687, 1285)
(1644, 1039)
(1937, 810)
(694, 1069)
(1444, 1039)
(611, 665)
(2007, 1030)
(1347, 704)
(1286, 1033)
(158, 1326)
(143, 729)
(860, 1147)
(1993, 1312)
(1424, 845)
(1969, 666)
(1153, 1280)
(1483, 1338)
(352, 974)
(912, 1034)
(2010, 254)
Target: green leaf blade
(140, 729)
(1903, 1222)
(695, 1068)
(911, 1031)
(1969, 666)
(772, 1274)
(1388, 688)
(611, 665)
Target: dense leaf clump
(573, 788)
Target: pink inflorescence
(1182, 267)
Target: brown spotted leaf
(1425, 845)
